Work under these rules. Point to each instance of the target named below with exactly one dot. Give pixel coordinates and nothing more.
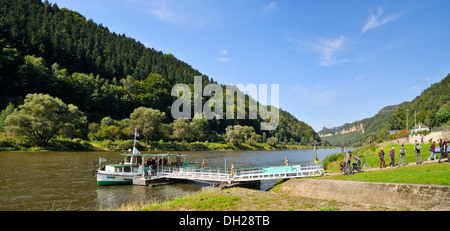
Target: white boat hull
(107, 178)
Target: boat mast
(136, 134)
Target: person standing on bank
(402, 156)
(444, 150)
(381, 155)
(417, 149)
(392, 154)
(232, 170)
(432, 150)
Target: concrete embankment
(392, 195)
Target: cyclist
(358, 163)
(348, 158)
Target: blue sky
(335, 61)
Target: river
(50, 180)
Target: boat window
(139, 160)
(128, 159)
(118, 169)
(127, 169)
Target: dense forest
(431, 108)
(106, 76)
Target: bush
(332, 158)
(272, 141)
(76, 144)
(198, 146)
(10, 143)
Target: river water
(48, 180)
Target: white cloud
(374, 21)
(223, 59)
(271, 7)
(162, 11)
(223, 56)
(328, 48)
(413, 88)
(359, 77)
(186, 14)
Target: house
(419, 128)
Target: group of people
(348, 159)
(417, 148)
(155, 163)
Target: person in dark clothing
(392, 154)
(433, 151)
(381, 155)
(402, 156)
(417, 149)
(444, 151)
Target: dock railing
(245, 174)
(278, 172)
(193, 173)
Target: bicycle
(364, 167)
(345, 168)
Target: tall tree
(41, 117)
(147, 122)
(181, 129)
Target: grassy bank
(432, 173)
(370, 154)
(429, 173)
(241, 199)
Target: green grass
(432, 173)
(198, 201)
(370, 154)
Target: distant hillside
(432, 107)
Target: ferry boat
(135, 165)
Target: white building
(419, 127)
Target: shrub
(332, 158)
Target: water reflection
(114, 196)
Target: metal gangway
(242, 175)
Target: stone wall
(413, 138)
(392, 195)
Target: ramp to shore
(392, 195)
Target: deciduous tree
(147, 121)
(42, 117)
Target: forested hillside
(45, 49)
(432, 107)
